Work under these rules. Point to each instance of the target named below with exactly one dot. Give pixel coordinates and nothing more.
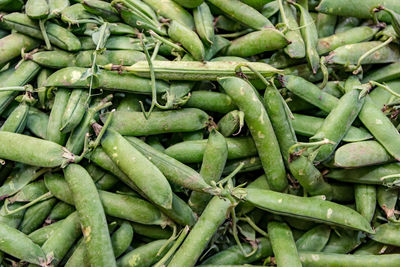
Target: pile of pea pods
(181, 133)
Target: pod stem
(325, 73)
(170, 239)
(43, 197)
(325, 141)
(384, 86)
(102, 131)
(253, 225)
(166, 41)
(44, 34)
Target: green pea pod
(188, 38)
(91, 216)
(204, 22)
(296, 48)
(314, 239)
(211, 101)
(310, 36)
(231, 123)
(76, 13)
(233, 255)
(360, 154)
(189, 3)
(122, 238)
(117, 148)
(102, 9)
(117, 57)
(71, 78)
(326, 25)
(269, 9)
(11, 5)
(308, 125)
(173, 170)
(219, 43)
(55, 120)
(130, 103)
(359, 9)
(17, 244)
(387, 233)
(193, 151)
(380, 126)
(58, 35)
(57, 6)
(17, 120)
(242, 13)
(35, 215)
(40, 83)
(305, 72)
(305, 208)
(107, 182)
(387, 200)
(342, 241)
(42, 234)
(370, 248)
(350, 54)
(11, 45)
(365, 175)
(347, 23)
(54, 59)
(283, 244)
(13, 220)
(60, 211)
(184, 120)
(248, 165)
(226, 24)
(256, 117)
(143, 256)
(37, 9)
(30, 192)
(37, 122)
(171, 10)
(395, 19)
(257, 42)
(365, 196)
(214, 159)
(74, 110)
(212, 217)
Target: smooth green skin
(42, 234)
(74, 13)
(42, 94)
(387, 233)
(326, 25)
(20, 177)
(155, 142)
(122, 238)
(57, 6)
(381, 97)
(359, 8)
(296, 47)
(365, 196)
(347, 23)
(151, 231)
(18, 244)
(31, 150)
(384, 74)
(13, 220)
(351, 36)
(280, 59)
(180, 211)
(102, 9)
(58, 35)
(283, 244)
(107, 182)
(227, 24)
(308, 125)
(257, 42)
(63, 238)
(313, 209)
(91, 215)
(54, 59)
(121, 29)
(11, 45)
(130, 103)
(160, 122)
(30, 192)
(36, 215)
(261, 183)
(204, 21)
(60, 211)
(309, 33)
(364, 175)
(314, 239)
(242, 13)
(211, 101)
(171, 10)
(338, 123)
(147, 177)
(187, 38)
(199, 71)
(202, 232)
(189, 3)
(305, 72)
(115, 205)
(54, 125)
(229, 124)
(309, 92)
(214, 160)
(387, 200)
(256, 117)
(37, 9)
(193, 151)
(347, 241)
(257, 4)
(71, 78)
(370, 248)
(174, 171)
(234, 255)
(74, 110)
(249, 164)
(313, 259)
(116, 57)
(381, 127)
(143, 256)
(26, 71)
(350, 54)
(342, 192)
(360, 154)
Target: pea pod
(60, 211)
(370, 248)
(210, 101)
(74, 110)
(326, 25)
(203, 20)
(11, 45)
(91, 216)
(314, 239)
(347, 23)
(54, 59)
(37, 9)
(231, 123)
(326, 211)
(57, 6)
(342, 241)
(387, 200)
(42, 234)
(365, 196)
(11, 5)
(54, 125)
(102, 9)
(17, 120)
(30, 192)
(35, 215)
(118, 57)
(246, 98)
(387, 233)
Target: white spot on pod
(329, 213)
(378, 121)
(260, 135)
(315, 257)
(75, 76)
(280, 200)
